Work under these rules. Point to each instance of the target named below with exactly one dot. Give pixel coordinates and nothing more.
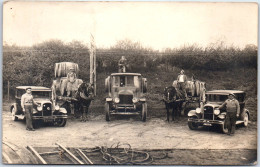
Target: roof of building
(34, 88)
(224, 92)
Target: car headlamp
(135, 100)
(217, 111)
(57, 107)
(117, 100)
(198, 110)
(39, 108)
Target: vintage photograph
(129, 83)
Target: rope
(123, 154)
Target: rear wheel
(144, 112)
(193, 125)
(107, 111)
(14, 117)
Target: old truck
(126, 95)
(209, 114)
(47, 111)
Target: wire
(123, 154)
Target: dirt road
(156, 133)
(153, 134)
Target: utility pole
(92, 54)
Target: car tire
(107, 111)
(223, 129)
(61, 122)
(245, 119)
(193, 125)
(13, 112)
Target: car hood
(214, 105)
(42, 100)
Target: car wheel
(14, 117)
(61, 122)
(223, 129)
(193, 125)
(245, 119)
(144, 112)
(107, 111)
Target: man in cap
(122, 64)
(27, 106)
(71, 79)
(181, 81)
(233, 110)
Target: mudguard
(63, 110)
(109, 99)
(192, 113)
(13, 105)
(142, 99)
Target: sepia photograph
(129, 83)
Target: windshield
(216, 98)
(41, 94)
(123, 81)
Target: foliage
(35, 65)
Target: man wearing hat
(27, 106)
(233, 110)
(122, 64)
(181, 80)
(71, 79)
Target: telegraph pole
(92, 54)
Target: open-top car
(209, 114)
(46, 111)
(126, 95)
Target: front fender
(143, 99)
(109, 99)
(14, 105)
(192, 113)
(63, 110)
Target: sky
(158, 25)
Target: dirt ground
(154, 134)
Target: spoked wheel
(193, 125)
(14, 118)
(107, 111)
(144, 112)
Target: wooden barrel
(197, 87)
(63, 68)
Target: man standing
(122, 64)
(181, 80)
(233, 110)
(71, 76)
(27, 106)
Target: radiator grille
(46, 109)
(126, 99)
(208, 113)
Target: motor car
(46, 111)
(126, 95)
(209, 114)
